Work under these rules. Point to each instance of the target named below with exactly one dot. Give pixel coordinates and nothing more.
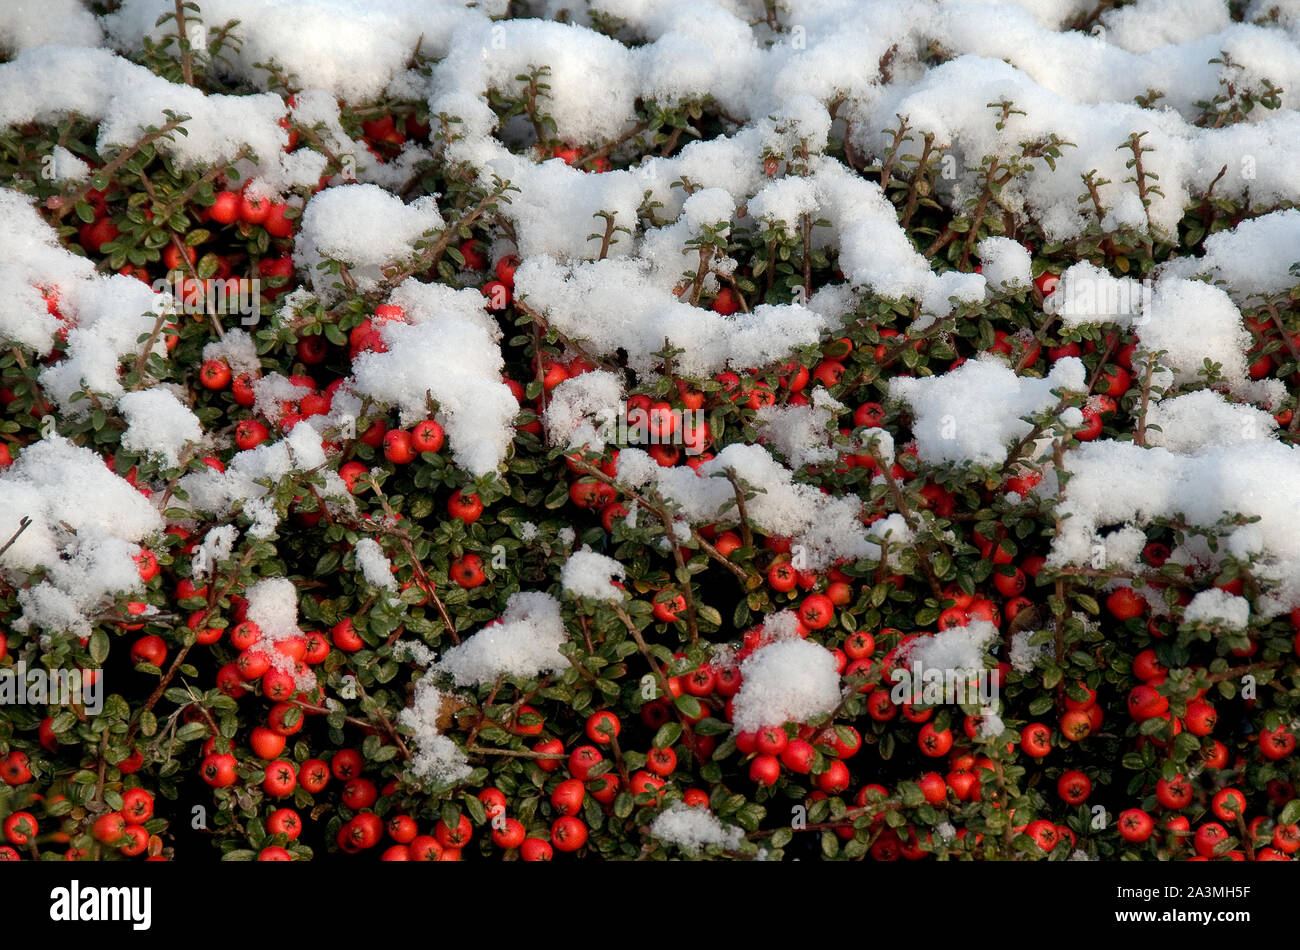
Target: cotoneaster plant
(506, 475)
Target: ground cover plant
(840, 429)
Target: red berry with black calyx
(466, 506)
(1125, 603)
(427, 436)
(250, 433)
(662, 762)
(397, 447)
(568, 834)
(700, 682)
(725, 302)
(835, 779)
(535, 849)
(668, 611)
(225, 210)
(312, 350)
(1135, 825)
(816, 611)
(1074, 787)
(1036, 740)
(568, 796)
(582, 760)
(782, 576)
(214, 374)
(771, 740)
(510, 834)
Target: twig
(900, 501)
(23, 524)
(63, 204)
(746, 532)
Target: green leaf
(830, 844)
(688, 705)
(191, 731)
(98, 647)
(1291, 813)
(450, 814)
(709, 726)
(1040, 705)
(668, 733)
(1087, 603)
(62, 723)
(624, 804)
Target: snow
(693, 829)
(1204, 419)
(526, 643)
(238, 351)
(26, 23)
(974, 413)
(31, 257)
(435, 756)
(799, 433)
(785, 681)
(86, 526)
(449, 352)
(218, 544)
(957, 648)
(1115, 483)
(363, 227)
(1149, 24)
(48, 83)
(1218, 607)
(1253, 259)
(1210, 452)
(582, 411)
(113, 315)
(273, 606)
(1191, 321)
(158, 424)
(588, 574)
(1005, 263)
(640, 315)
(1024, 655)
(352, 50)
(374, 564)
(243, 486)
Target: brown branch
(658, 672)
(887, 167)
(1140, 432)
(921, 175)
(187, 55)
(746, 532)
(23, 524)
(900, 501)
(63, 204)
(179, 659)
(388, 726)
(404, 539)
